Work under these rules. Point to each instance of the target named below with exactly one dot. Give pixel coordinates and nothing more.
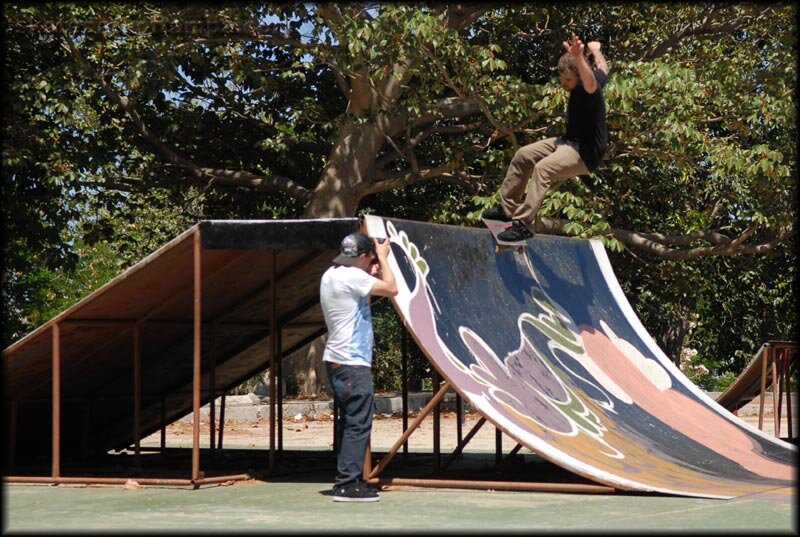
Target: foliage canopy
(124, 123)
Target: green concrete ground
(304, 505)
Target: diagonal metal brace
(435, 400)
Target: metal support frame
(492, 485)
(197, 369)
(163, 424)
(212, 393)
(437, 425)
(221, 420)
(372, 474)
(197, 478)
(137, 395)
(777, 360)
(498, 446)
(279, 384)
(463, 443)
(404, 382)
(12, 433)
(435, 400)
(273, 324)
(459, 418)
(56, 412)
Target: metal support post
(196, 376)
(404, 383)
(437, 431)
(437, 398)
(498, 446)
(163, 424)
(787, 376)
(279, 384)
(221, 420)
(137, 396)
(459, 418)
(463, 443)
(764, 360)
(56, 409)
(273, 323)
(212, 390)
(12, 434)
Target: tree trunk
(337, 195)
(338, 192)
(673, 338)
(341, 187)
(304, 372)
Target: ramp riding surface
(546, 346)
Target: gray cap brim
(342, 259)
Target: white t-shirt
(344, 297)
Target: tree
(329, 109)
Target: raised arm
(599, 59)
(575, 49)
(386, 284)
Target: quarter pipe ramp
(546, 346)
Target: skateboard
(498, 226)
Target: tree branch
(161, 149)
(170, 157)
(341, 80)
(446, 108)
(461, 16)
(382, 182)
(260, 183)
(678, 247)
(413, 141)
(464, 180)
(708, 28)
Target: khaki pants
(546, 164)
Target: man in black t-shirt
(548, 163)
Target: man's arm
(575, 49)
(386, 284)
(599, 59)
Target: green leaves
(702, 133)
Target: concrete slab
(306, 506)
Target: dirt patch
(304, 432)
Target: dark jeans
(352, 388)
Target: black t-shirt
(586, 121)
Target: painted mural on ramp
(545, 345)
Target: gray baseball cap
(353, 246)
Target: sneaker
(362, 483)
(517, 232)
(372, 488)
(355, 492)
(496, 213)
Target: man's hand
(386, 285)
(599, 60)
(574, 47)
(375, 267)
(382, 248)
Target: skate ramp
(545, 345)
(747, 386)
(239, 262)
